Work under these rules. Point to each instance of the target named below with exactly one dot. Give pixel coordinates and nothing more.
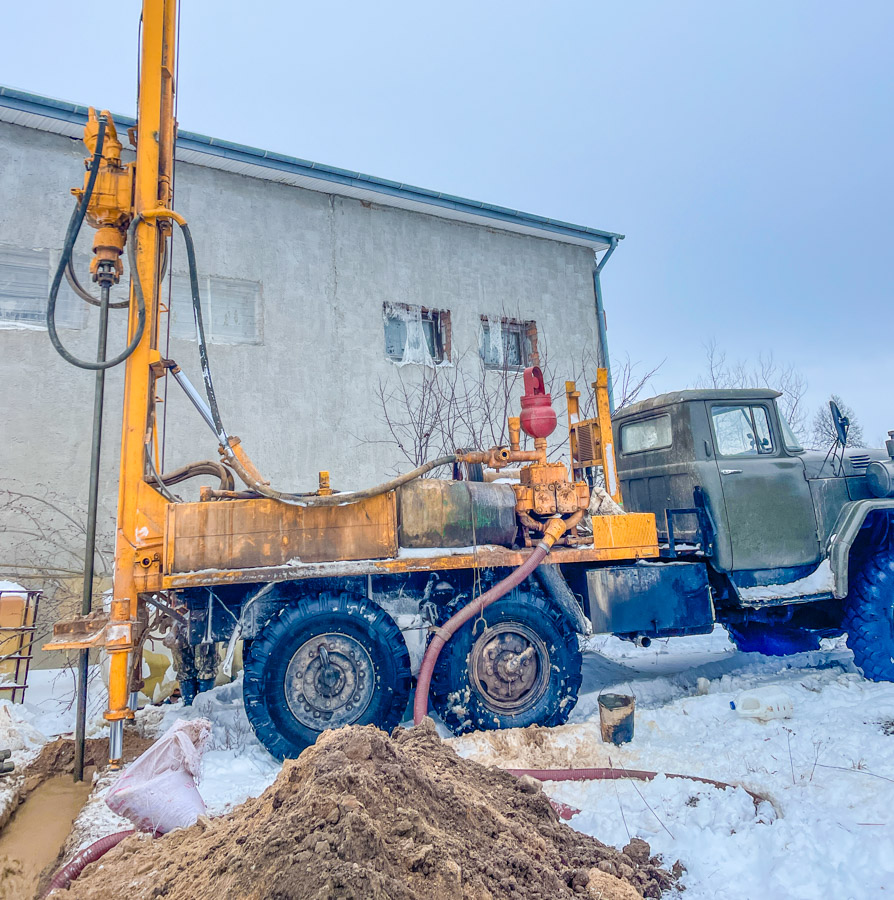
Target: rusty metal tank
(435, 512)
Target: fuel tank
(435, 512)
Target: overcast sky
(744, 149)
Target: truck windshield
(792, 444)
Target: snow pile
(820, 581)
(11, 587)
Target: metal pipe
(90, 548)
(600, 321)
(196, 398)
(116, 741)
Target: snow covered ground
(825, 831)
(827, 771)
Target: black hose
(71, 235)
(200, 335)
(194, 470)
(72, 278)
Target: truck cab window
(742, 430)
(649, 434)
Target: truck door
(772, 523)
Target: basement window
(507, 343)
(416, 334)
(25, 287)
(231, 310)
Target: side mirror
(841, 422)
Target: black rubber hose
(71, 235)
(193, 470)
(73, 282)
(200, 335)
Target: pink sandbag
(158, 792)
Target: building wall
(304, 397)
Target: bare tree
(429, 411)
(822, 429)
(766, 372)
(42, 536)
(630, 380)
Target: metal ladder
(21, 637)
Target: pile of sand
(361, 815)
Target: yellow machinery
(236, 545)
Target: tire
(772, 640)
(292, 693)
(465, 695)
(869, 615)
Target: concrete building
(320, 285)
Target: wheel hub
(329, 681)
(509, 665)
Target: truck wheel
(523, 668)
(772, 640)
(328, 661)
(869, 616)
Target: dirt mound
(362, 816)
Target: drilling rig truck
(475, 587)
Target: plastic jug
(764, 704)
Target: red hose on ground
(613, 774)
(554, 530)
(69, 872)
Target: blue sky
(745, 150)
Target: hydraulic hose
(69, 872)
(331, 499)
(193, 470)
(73, 282)
(71, 235)
(554, 530)
(161, 213)
(72, 279)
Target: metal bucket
(616, 717)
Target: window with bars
(415, 334)
(507, 343)
(25, 287)
(231, 310)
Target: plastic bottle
(764, 704)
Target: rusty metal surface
(243, 534)
(94, 630)
(628, 537)
(436, 512)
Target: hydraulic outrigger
(252, 536)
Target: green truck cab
(780, 544)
